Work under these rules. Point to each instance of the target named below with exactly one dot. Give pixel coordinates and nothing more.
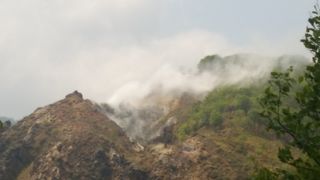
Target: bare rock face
(69, 139)
(74, 139)
(75, 96)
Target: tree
(292, 106)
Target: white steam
(138, 105)
(231, 70)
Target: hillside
(182, 135)
(220, 137)
(69, 139)
(72, 139)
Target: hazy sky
(50, 48)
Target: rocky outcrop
(69, 139)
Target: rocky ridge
(69, 139)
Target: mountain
(192, 145)
(216, 134)
(69, 139)
(73, 139)
(3, 119)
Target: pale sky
(50, 48)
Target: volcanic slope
(69, 139)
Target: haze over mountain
(150, 90)
(155, 96)
(168, 133)
(48, 49)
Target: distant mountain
(6, 123)
(3, 119)
(216, 62)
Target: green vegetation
(207, 62)
(221, 104)
(300, 119)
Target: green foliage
(245, 103)
(219, 104)
(215, 118)
(208, 62)
(264, 174)
(299, 119)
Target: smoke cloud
(107, 49)
(138, 105)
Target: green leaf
(285, 155)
